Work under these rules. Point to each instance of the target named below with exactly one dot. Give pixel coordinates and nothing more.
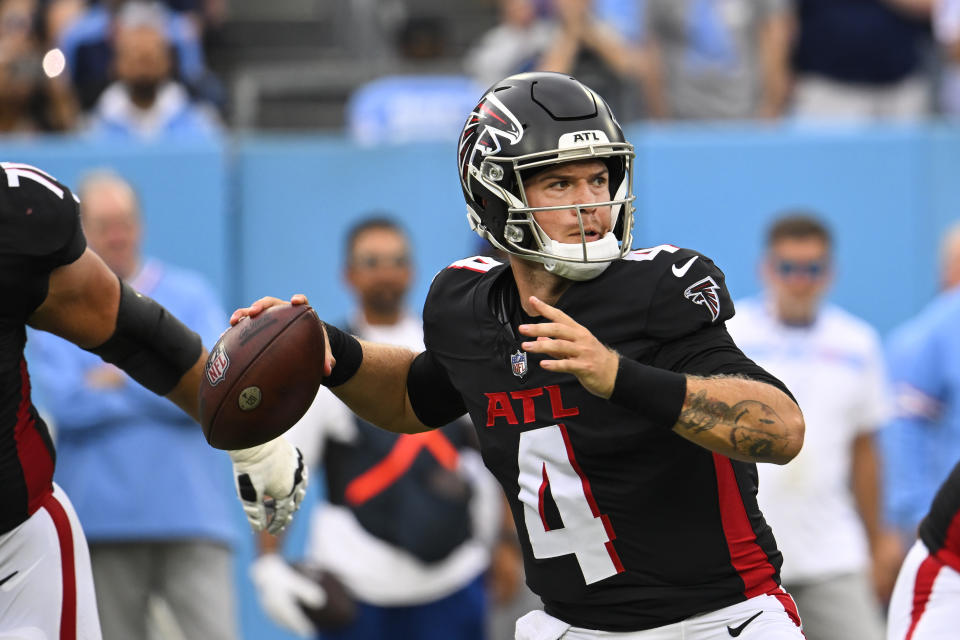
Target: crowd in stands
(137, 68)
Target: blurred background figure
(514, 45)
(946, 22)
(410, 520)
(824, 506)
(597, 54)
(152, 495)
(922, 441)
(35, 96)
(862, 59)
(711, 60)
(86, 38)
(146, 102)
(413, 107)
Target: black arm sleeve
(710, 352)
(432, 395)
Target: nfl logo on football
(518, 363)
(217, 365)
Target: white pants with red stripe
(46, 586)
(926, 599)
(764, 617)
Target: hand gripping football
(261, 376)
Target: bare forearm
(741, 419)
(866, 484)
(186, 394)
(775, 38)
(378, 391)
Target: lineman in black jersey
(611, 404)
(51, 281)
(926, 598)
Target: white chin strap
(604, 250)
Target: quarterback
(619, 417)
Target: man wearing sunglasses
(823, 506)
(396, 527)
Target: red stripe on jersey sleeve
(922, 588)
(746, 555)
(35, 460)
(68, 611)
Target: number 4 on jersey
(546, 461)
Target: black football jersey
(940, 529)
(39, 231)
(624, 525)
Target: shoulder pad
(481, 264)
(38, 215)
(457, 298)
(690, 293)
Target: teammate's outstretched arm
(83, 306)
(88, 305)
(377, 389)
(740, 418)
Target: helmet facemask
(524, 237)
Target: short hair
(369, 223)
(106, 177)
(798, 225)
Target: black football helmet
(522, 124)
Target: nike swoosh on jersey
(736, 631)
(682, 271)
(11, 581)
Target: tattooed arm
(743, 419)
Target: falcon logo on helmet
(524, 124)
(705, 292)
(489, 122)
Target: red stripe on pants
(68, 611)
(922, 588)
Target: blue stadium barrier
(267, 215)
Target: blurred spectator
(152, 496)
(861, 59)
(597, 55)
(145, 102)
(947, 28)
(922, 441)
(718, 60)
(88, 46)
(823, 507)
(425, 107)
(411, 518)
(513, 46)
(32, 98)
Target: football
(261, 376)
(338, 611)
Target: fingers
(256, 515)
(262, 304)
(329, 362)
(551, 313)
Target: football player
(619, 417)
(926, 597)
(51, 281)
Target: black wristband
(348, 353)
(657, 394)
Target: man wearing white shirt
(824, 505)
(409, 520)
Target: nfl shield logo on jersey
(518, 363)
